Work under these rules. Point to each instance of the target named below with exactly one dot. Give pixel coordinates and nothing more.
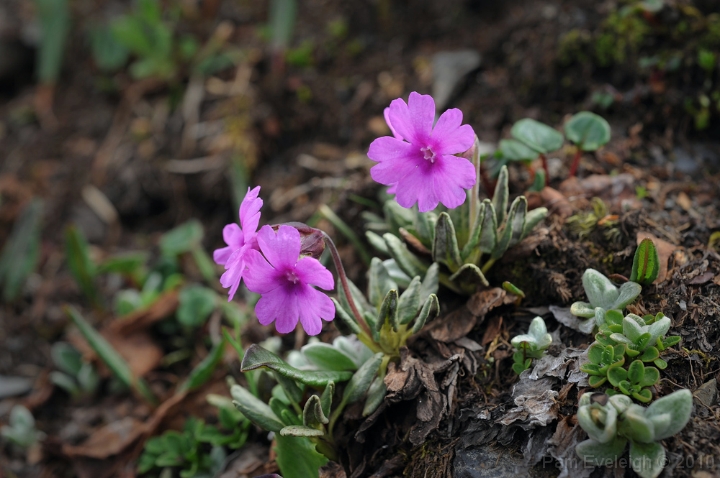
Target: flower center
(291, 277)
(428, 154)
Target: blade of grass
(110, 356)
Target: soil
(301, 133)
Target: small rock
(449, 67)
(707, 393)
(14, 386)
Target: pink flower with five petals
(419, 161)
(239, 241)
(285, 280)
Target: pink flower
(239, 241)
(284, 280)
(418, 161)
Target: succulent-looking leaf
(379, 282)
(431, 281)
(405, 259)
(409, 302)
(425, 226)
(513, 227)
(326, 398)
(445, 246)
(647, 459)
(513, 289)
(328, 357)
(301, 431)
(377, 242)
(375, 396)
(255, 409)
(474, 237)
(599, 290)
(627, 293)
(600, 454)
(388, 311)
(678, 405)
(500, 197)
(538, 136)
(533, 218)
(256, 357)
(588, 131)
(635, 426)
(582, 309)
(313, 415)
(469, 275)
(360, 382)
(430, 310)
(646, 263)
(604, 431)
(66, 358)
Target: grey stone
(449, 67)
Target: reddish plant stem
(545, 167)
(575, 162)
(344, 283)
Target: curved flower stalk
(467, 240)
(612, 422)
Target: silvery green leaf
(396, 274)
(488, 232)
(603, 432)
(445, 246)
(460, 218)
(631, 329)
(88, 378)
(519, 339)
(582, 309)
(406, 260)
(621, 402)
(538, 330)
(255, 410)
(533, 218)
(425, 227)
(388, 311)
(379, 282)
(431, 281)
(635, 426)
(377, 242)
(658, 329)
(297, 457)
(326, 398)
(301, 431)
(474, 239)
(345, 317)
(376, 395)
(360, 382)
(538, 136)
(587, 130)
(397, 215)
(600, 291)
(626, 295)
(65, 382)
(409, 302)
(513, 227)
(327, 357)
(256, 357)
(353, 348)
(647, 459)
(429, 310)
(621, 339)
(515, 150)
(66, 358)
(313, 415)
(595, 453)
(292, 391)
(679, 405)
(586, 326)
(469, 274)
(360, 302)
(501, 195)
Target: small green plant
(603, 296)
(20, 431)
(531, 345)
(457, 238)
(589, 132)
(646, 263)
(21, 252)
(76, 377)
(612, 422)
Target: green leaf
(588, 131)
(327, 397)
(379, 282)
(431, 281)
(616, 375)
(377, 242)
(128, 263)
(636, 371)
(599, 290)
(82, 267)
(646, 263)
(405, 259)
(108, 53)
(297, 457)
(54, 19)
(409, 302)
(513, 227)
(647, 459)
(22, 250)
(469, 274)
(425, 226)
(582, 309)
(539, 181)
(627, 294)
(196, 303)
(110, 357)
(678, 405)
(375, 396)
(203, 371)
(514, 150)
(301, 431)
(345, 317)
(65, 382)
(388, 313)
(327, 357)
(88, 378)
(66, 358)
(650, 377)
(445, 246)
(596, 380)
(538, 136)
(533, 218)
(500, 198)
(474, 239)
(360, 382)
(600, 454)
(256, 357)
(429, 310)
(313, 415)
(255, 410)
(182, 238)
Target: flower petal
(422, 114)
(250, 212)
(310, 271)
(414, 187)
(233, 235)
(449, 137)
(260, 276)
(397, 159)
(451, 177)
(386, 114)
(282, 249)
(280, 307)
(233, 275)
(221, 256)
(313, 306)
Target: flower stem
(545, 167)
(474, 192)
(344, 283)
(575, 163)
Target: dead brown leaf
(109, 440)
(492, 330)
(165, 305)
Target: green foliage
(76, 377)
(538, 136)
(20, 430)
(196, 303)
(54, 19)
(531, 345)
(84, 270)
(646, 263)
(612, 422)
(588, 131)
(21, 252)
(603, 296)
(197, 451)
(457, 239)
